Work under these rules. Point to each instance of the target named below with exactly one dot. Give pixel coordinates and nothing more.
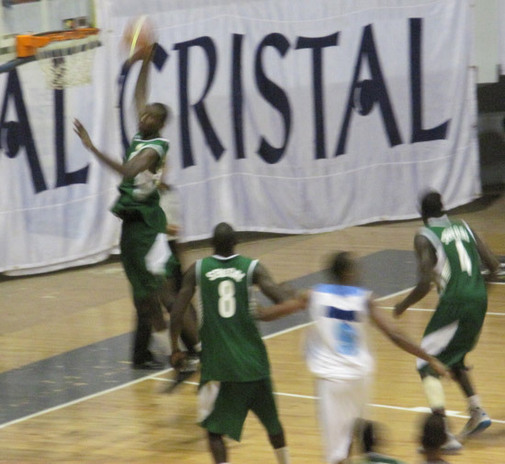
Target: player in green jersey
(235, 371)
(143, 242)
(449, 254)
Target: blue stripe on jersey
(342, 314)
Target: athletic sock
(160, 342)
(474, 402)
(282, 455)
(434, 392)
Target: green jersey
(232, 348)
(139, 196)
(457, 271)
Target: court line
(155, 375)
(84, 398)
(430, 310)
(374, 405)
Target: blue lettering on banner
(17, 135)
(363, 97)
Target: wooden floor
(43, 316)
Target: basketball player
(449, 254)
(338, 355)
(143, 241)
(235, 371)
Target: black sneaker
(149, 366)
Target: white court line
(383, 406)
(154, 376)
(429, 310)
(80, 400)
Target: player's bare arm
(145, 160)
(277, 293)
(285, 308)
(486, 255)
(179, 307)
(140, 95)
(401, 340)
(426, 262)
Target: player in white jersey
(338, 354)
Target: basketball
(139, 33)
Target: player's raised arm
(145, 55)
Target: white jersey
(336, 346)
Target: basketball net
(68, 63)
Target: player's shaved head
(431, 205)
(224, 239)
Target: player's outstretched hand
(83, 134)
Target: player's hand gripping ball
(138, 37)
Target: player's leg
(142, 356)
(137, 240)
(466, 338)
(265, 408)
(217, 448)
(340, 404)
(479, 420)
(441, 339)
(222, 410)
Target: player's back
(337, 346)
(458, 262)
(232, 348)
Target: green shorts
(453, 332)
(173, 268)
(137, 238)
(229, 408)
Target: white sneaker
(478, 422)
(451, 445)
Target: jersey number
(227, 303)
(347, 339)
(464, 260)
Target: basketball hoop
(65, 57)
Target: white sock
(282, 455)
(473, 402)
(160, 343)
(434, 392)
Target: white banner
(289, 116)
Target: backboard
(38, 16)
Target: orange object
(27, 44)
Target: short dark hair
(431, 204)
(340, 263)
(434, 434)
(223, 236)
